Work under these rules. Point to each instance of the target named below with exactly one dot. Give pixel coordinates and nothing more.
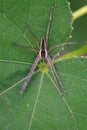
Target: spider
(43, 54)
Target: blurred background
(79, 34)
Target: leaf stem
(79, 52)
(80, 12)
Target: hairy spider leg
(49, 25)
(30, 74)
(59, 45)
(33, 35)
(56, 77)
(25, 47)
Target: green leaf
(41, 106)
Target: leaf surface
(41, 106)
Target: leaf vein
(36, 101)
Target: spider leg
(61, 53)
(49, 24)
(56, 77)
(33, 35)
(25, 47)
(56, 46)
(30, 74)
